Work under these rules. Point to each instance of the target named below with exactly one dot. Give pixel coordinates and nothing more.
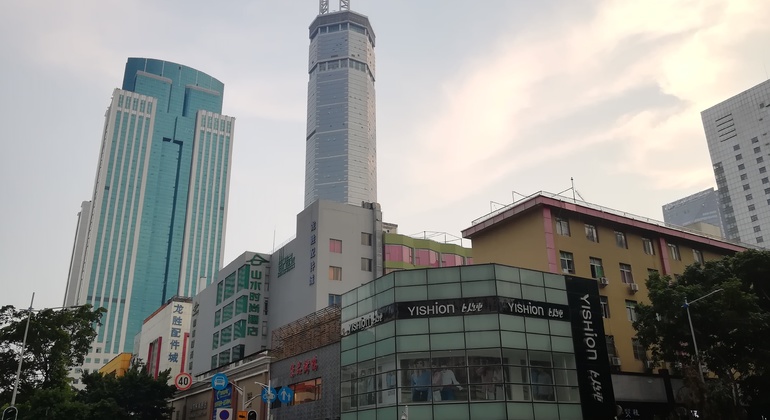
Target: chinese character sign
(256, 301)
(302, 367)
(178, 331)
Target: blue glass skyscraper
(159, 205)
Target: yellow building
(119, 365)
(552, 233)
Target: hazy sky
(474, 100)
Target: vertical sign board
(592, 361)
(222, 399)
(257, 300)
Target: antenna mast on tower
(344, 5)
(323, 7)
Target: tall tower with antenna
(341, 137)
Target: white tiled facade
(737, 134)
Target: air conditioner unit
(649, 364)
(603, 281)
(633, 287)
(615, 361)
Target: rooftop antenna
(323, 7)
(344, 5)
(572, 180)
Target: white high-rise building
(737, 134)
(341, 139)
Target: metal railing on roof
(609, 211)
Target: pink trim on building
(664, 256)
(550, 246)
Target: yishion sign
(591, 358)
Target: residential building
(156, 224)
(557, 234)
(162, 342)
(699, 211)
(341, 139)
(737, 135)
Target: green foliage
(135, 395)
(56, 340)
(731, 326)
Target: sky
(477, 102)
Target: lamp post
(692, 330)
(269, 393)
(21, 356)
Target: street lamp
(692, 330)
(269, 393)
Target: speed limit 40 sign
(183, 381)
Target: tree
(57, 339)
(135, 395)
(730, 326)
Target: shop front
(474, 342)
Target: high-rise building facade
(737, 135)
(159, 205)
(699, 211)
(341, 140)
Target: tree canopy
(731, 326)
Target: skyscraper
(157, 215)
(737, 134)
(699, 211)
(341, 140)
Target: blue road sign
(285, 395)
(219, 381)
(268, 394)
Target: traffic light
(252, 415)
(10, 413)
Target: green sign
(285, 263)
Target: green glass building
(159, 205)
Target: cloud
(496, 114)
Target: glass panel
(365, 337)
(515, 357)
(410, 277)
(482, 322)
(564, 360)
(538, 342)
(534, 278)
(348, 372)
(450, 412)
(444, 291)
(518, 392)
(477, 272)
(444, 275)
(229, 286)
(479, 288)
(350, 297)
(385, 347)
(365, 306)
(533, 293)
(511, 323)
(385, 330)
(510, 274)
(348, 312)
(560, 328)
(447, 341)
(546, 411)
(384, 298)
(348, 342)
(562, 344)
(446, 324)
(366, 352)
(518, 411)
(565, 377)
(387, 413)
(412, 326)
(516, 374)
(513, 339)
(570, 412)
(483, 339)
(384, 283)
(243, 278)
(536, 325)
(506, 289)
(406, 294)
(412, 343)
(556, 296)
(488, 411)
(348, 357)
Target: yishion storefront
(474, 342)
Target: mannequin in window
(420, 382)
(448, 383)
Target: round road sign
(183, 381)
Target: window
(765, 180)
(426, 258)
(754, 218)
(762, 170)
(366, 264)
(611, 350)
(751, 207)
(760, 239)
(335, 246)
(674, 251)
(309, 391)
(760, 159)
(591, 233)
(335, 273)
(631, 310)
(757, 229)
(625, 274)
(605, 306)
(562, 226)
(744, 177)
(639, 352)
(366, 238)
(697, 256)
(738, 156)
(742, 167)
(736, 147)
(335, 300)
(399, 253)
(597, 270)
(620, 239)
(746, 187)
(649, 249)
(567, 262)
(651, 271)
